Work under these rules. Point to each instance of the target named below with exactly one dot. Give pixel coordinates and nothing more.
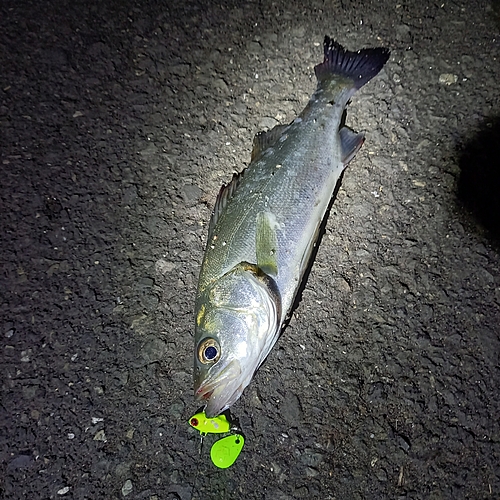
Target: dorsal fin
(225, 194)
(265, 140)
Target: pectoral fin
(266, 243)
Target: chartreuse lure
(225, 451)
(213, 425)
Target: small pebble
(448, 79)
(100, 436)
(127, 487)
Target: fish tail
(358, 67)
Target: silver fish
(265, 225)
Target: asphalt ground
(119, 121)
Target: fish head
(237, 323)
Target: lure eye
(209, 351)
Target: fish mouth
(220, 390)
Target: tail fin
(360, 66)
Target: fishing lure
(205, 425)
(226, 450)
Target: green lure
(205, 425)
(226, 450)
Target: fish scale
(264, 227)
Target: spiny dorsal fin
(225, 194)
(265, 140)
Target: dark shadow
(479, 182)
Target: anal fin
(350, 143)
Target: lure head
(237, 323)
(205, 425)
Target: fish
(265, 225)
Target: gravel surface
(119, 121)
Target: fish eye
(209, 351)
